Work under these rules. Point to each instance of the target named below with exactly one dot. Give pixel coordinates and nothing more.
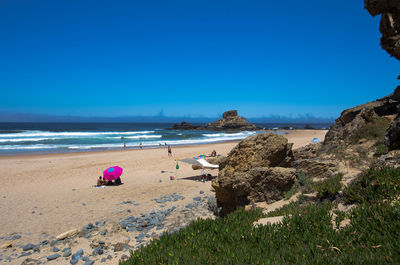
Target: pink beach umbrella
(112, 173)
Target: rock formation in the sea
(257, 169)
(352, 122)
(230, 121)
(184, 126)
(389, 25)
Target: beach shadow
(198, 178)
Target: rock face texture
(255, 170)
(392, 137)
(230, 121)
(352, 120)
(389, 25)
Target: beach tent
(316, 140)
(199, 162)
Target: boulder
(255, 170)
(316, 167)
(261, 150)
(255, 185)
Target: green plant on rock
(372, 130)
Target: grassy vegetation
(381, 149)
(374, 186)
(308, 237)
(303, 183)
(329, 188)
(373, 130)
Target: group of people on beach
(102, 182)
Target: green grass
(308, 237)
(373, 186)
(303, 183)
(381, 149)
(329, 188)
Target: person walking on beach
(141, 145)
(169, 150)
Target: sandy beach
(44, 195)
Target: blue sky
(199, 58)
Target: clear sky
(113, 58)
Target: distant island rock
(230, 122)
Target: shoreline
(100, 150)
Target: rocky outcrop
(351, 121)
(255, 170)
(230, 121)
(389, 25)
(392, 137)
(390, 42)
(184, 126)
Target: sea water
(25, 138)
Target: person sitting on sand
(99, 182)
(213, 153)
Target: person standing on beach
(141, 145)
(169, 150)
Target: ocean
(33, 138)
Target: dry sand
(45, 195)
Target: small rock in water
(85, 258)
(201, 192)
(197, 199)
(56, 249)
(89, 262)
(53, 257)
(103, 260)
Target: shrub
(329, 188)
(373, 130)
(303, 183)
(373, 186)
(381, 149)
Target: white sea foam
(24, 140)
(67, 134)
(139, 137)
(246, 133)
